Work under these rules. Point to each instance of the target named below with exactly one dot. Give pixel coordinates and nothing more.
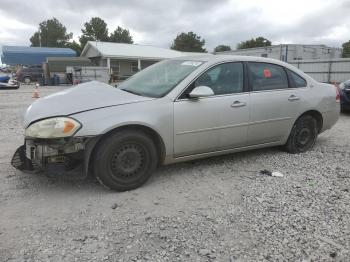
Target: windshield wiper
(131, 92)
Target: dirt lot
(217, 209)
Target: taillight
(337, 97)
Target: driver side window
(222, 79)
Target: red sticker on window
(267, 73)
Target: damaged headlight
(55, 127)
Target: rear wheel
(303, 135)
(125, 160)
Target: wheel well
(317, 115)
(158, 141)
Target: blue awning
(23, 55)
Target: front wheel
(303, 135)
(125, 160)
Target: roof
(213, 59)
(41, 50)
(24, 55)
(121, 50)
(233, 58)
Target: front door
(213, 123)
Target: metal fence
(327, 71)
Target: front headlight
(55, 127)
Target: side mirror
(201, 91)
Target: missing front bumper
(53, 156)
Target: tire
(27, 80)
(303, 135)
(125, 160)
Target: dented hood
(83, 97)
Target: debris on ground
(269, 173)
(277, 174)
(265, 172)
(114, 206)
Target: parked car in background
(4, 78)
(10, 84)
(176, 110)
(344, 89)
(29, 74)
(7, 81)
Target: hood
(83, 97)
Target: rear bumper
(330, 118)
(54, 156)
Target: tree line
(52, 33)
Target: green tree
(254, 42)
(188, 42)
(75, 46)
(94, 30)
(346, 49)
(222, 48)
(121, 35)
(51, 33)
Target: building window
(134, 67)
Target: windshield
(159, 79)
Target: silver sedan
(176, 110)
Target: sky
(157, 22)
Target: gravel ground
(217, 209)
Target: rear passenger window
(297, 80)
(265, 76)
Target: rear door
(275, 103)
(213, 123)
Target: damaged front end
(54, 156)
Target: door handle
(238, 104)
(293, 98)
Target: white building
(290, 52)
(124, 60)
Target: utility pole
(39, 37)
